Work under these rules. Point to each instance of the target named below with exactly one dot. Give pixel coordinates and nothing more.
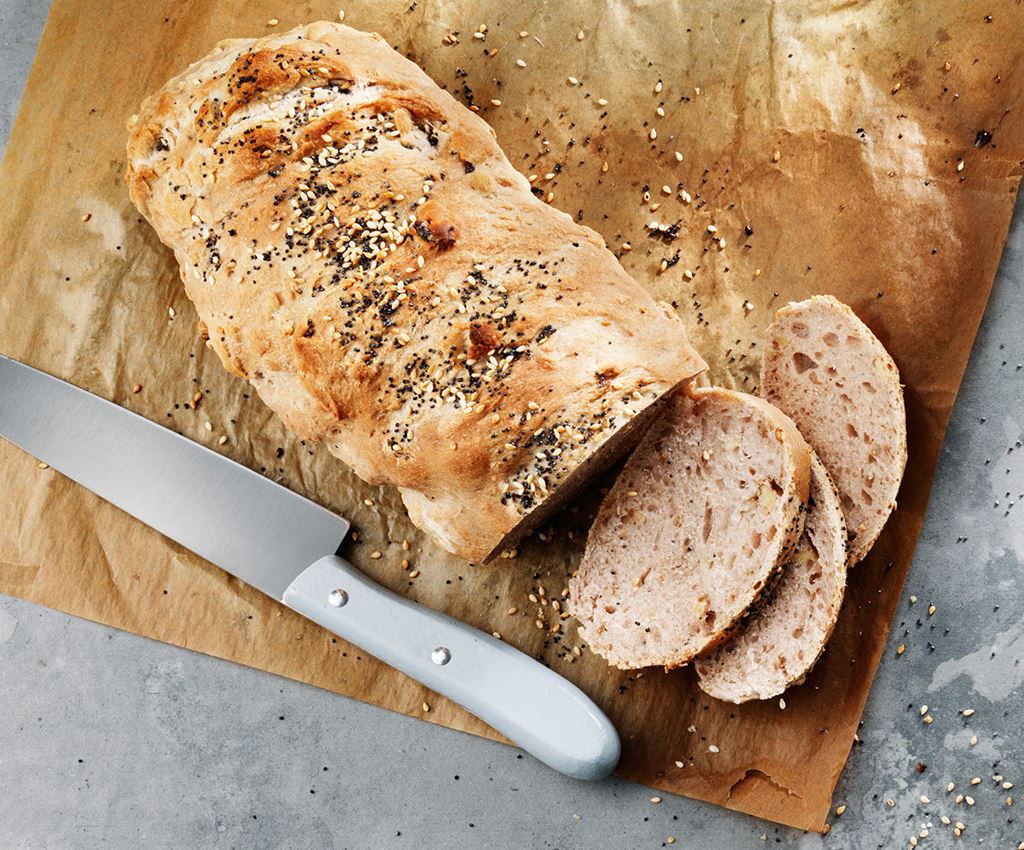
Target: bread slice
(783, 638)
(825, 368)
(696, 526)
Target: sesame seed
(679, 156)
(520, 63)
(950, 787)
(658, 86)
(713, 749)
(924, 710)
(414, 574)
(776, 156)
(222, 440)
(655, 800)
(426, 707)
(495, 102)
(960, 165)
(137, 388)
(925, 800)
(86, 216)
(968, 712)
(42, 465)
(601, 101)
(680, 764)
(840, 810)
(782, 703)
(376, 555)
(974, 740)
(976, 780)
(273, 22)
(653, 134)
(580, 35)
(573, 81)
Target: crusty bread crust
(826, 369)
(785, 634)
(655, 585)
(359, 248)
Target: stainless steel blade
(237, 519)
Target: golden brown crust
(361, 251)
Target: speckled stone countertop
(112, 740)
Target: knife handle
(542, 712)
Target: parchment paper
(832, 131)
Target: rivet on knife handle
(539, 710)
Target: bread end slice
(785, 635)
(827, 370)
(695, 528)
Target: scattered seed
(713, 749)
(273, 22)
(840, 810)
(655, 800)
(376, 555)
(968, 712)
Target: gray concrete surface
(111, 740)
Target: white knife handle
(543, 713)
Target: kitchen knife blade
(230, 515)
(286, 546)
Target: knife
(286, 546)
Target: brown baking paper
(845, 137)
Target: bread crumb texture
(695, 529)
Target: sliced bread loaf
(825, 368)
(695, 528)
(786, 634)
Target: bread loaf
(826, 370)
(361, 251)
(786, 633)
(699, 523)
